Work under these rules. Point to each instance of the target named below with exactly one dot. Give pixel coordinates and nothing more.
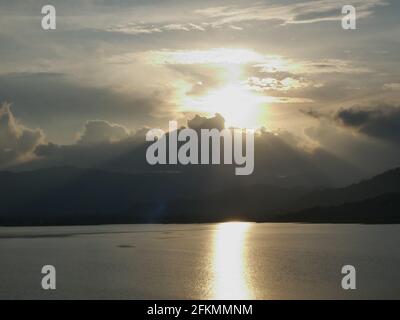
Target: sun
(239, 105)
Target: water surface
(202, 261)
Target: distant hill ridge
(383, 209)
(387, 182)
(68, 195)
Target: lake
(201, 261)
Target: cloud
(382, 122)
(286, 84)
(391, 86)
(368, 155)
(17, 142)
(199, 122)
(323, 66)
(292, 13)
(135, 28)
(97, 131)
(238, 17)
(92, 153)
(61, 105)
(280, 158)
(190, 57)
(265, 63)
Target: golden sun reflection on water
(230, 271)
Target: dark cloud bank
(382, 122)
(279, 158)
(104, 176)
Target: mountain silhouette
(387, 182)
(379, 210)
(68, 195)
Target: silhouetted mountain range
(67, 195)
(378, 210)
(266, 203)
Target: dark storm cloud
(382, 122)
(355, 118)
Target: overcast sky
(113, 67)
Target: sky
(286, 68)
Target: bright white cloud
(17, 143)
(97, 131)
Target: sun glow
(239, 105)
(215, 56)
(216, 81)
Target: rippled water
(204, 261)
